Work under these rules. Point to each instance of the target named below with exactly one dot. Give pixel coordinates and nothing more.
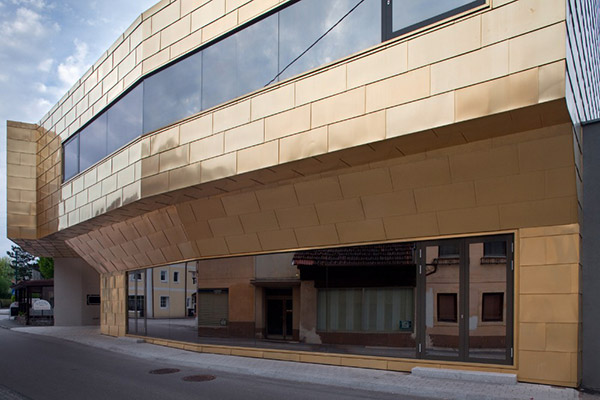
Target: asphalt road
(38, 367)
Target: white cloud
(74, 65)
(41, 87)
(34, 3)
(26, 22)
(46, 65)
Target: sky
(46, 46)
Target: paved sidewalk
(365, 379)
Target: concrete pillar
(590, 274)
(74, 279)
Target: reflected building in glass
(362, 183)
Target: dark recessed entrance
(280, 314)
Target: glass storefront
(449, 299)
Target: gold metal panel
(258, 157)
(478, 66)
(537, 48)
(219, 167)
(131, 192)
(226, 226)
(205, 209)
(410, 226)
(212, 247)
(555, 152)
(174, 158)
(204, 15)
(164, 140)
(480, 219)
(125, 176)
(231, 116)
(297, 217)
(510, 189)
(340, 211)
(357, 131)
(520, 17)
(389, 204)
(323, 84)
(287, 123)
(399, 89)
(245, 136)
(361, 231)
(272, 102)
(511, 92)
(552, 82)
(303, 145)
(278, 240)
(259, 222)
(372, 181)
(175, 32)
(165, 17)
(155, 184)
(278, 197)
(220, 26)
(322, 235)
(556, 211)
(186, 176)
(253, 8)
(381, 64)
(104, 169)
(316, 191)
(449, 41)
(420, 115)
(243, 243)
(501, 161)
(445, 197)
(149, 166)
(243, 203)
(195, 129)
(336, 108)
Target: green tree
(6, 276)
(21, 263)
(46, 265)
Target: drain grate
(199, 378)
(164, 371)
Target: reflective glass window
(256, 54)
(125, 119)
(304, 22)
(173, 93)
(411, 14)
(71, 157)
(93, 142)
(219, 73)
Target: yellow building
(359, 183)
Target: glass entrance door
(441, 300)
(136, 302)
(465, 299)
(279, 314)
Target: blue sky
(46, 46)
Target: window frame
(175, 276)
(488, 295)
(164, 279)
(437, 314)
(388, 33)
(160, 302)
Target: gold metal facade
(455, 130)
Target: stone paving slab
(364, 379)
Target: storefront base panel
(381, 363)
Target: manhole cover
(199, 378)
(163, 371)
